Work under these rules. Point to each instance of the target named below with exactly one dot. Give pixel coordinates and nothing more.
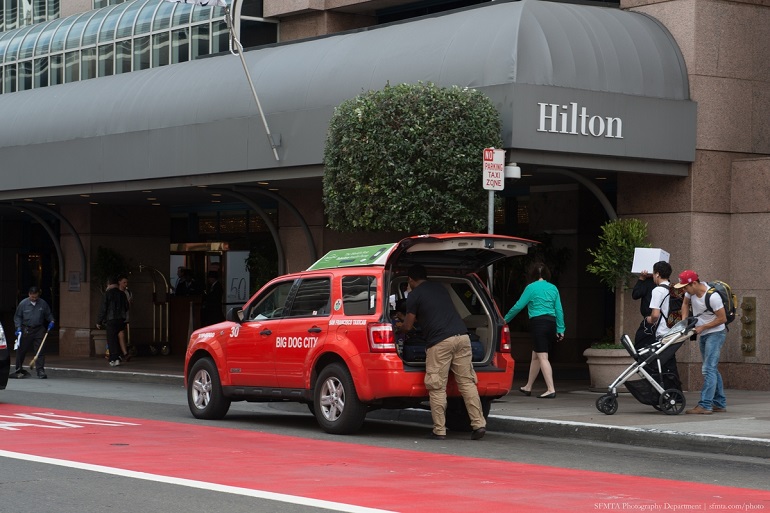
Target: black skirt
(543, 331)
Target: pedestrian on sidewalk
(643, 292)
(448, 348)
(123, 333)
(653, 326)
(211, 305)
(112, 315)
(710, 327)
(546, 324)
(32, 319)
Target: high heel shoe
(525, 392)
(547, 396)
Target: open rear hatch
(460, 252)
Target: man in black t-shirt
(448, 347)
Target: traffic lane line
(198, 485)
(363, 476)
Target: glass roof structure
(136, 34)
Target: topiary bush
(614, 256)
(408, 158)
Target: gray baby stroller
(658, 388)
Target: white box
(645, 258)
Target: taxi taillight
(381, 339)
(505, 339)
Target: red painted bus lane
(345, 473)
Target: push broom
(32, 363)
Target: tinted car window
(313, 298)
(469, 298)
(359, 294)
(271, 304)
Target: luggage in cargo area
(414, 349)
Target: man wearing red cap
(711, 328)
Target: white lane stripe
(259, 494)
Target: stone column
(700, 219)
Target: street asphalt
(743, 430)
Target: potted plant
(606, 360)
(612, 261)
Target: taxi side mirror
(235, 315)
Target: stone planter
(604, 366)
(100, 342)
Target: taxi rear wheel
(204, 391)
(336, 404)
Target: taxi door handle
(314, 329)
(265, 332)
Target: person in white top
(659, 300)
(711, 328)
(659, 306)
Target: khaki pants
(453, 353)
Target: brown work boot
(699, 410)
(717, 409)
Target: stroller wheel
(607, 404)
(672, 401)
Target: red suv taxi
(325, 336)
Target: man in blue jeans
(711, 328)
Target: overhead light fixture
(152, 199)
(85, 195)
(156, 204)
(263, 183)
(28, 199)
(216, 194)
(147, 192)
(511, 170)
(93, 203)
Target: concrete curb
(640, 437)
(129, 376)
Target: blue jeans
(713, 393)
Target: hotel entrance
(207, 279)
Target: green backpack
(729, 299)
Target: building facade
(656, 110)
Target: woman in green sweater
(546, 323)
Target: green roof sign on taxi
(367, 255)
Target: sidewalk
(744, 430)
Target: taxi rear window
(359, 295)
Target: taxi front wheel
(204, 391)
(336, 404)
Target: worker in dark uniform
(32, 320)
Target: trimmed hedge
(408, 158)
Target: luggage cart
(160, 318)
